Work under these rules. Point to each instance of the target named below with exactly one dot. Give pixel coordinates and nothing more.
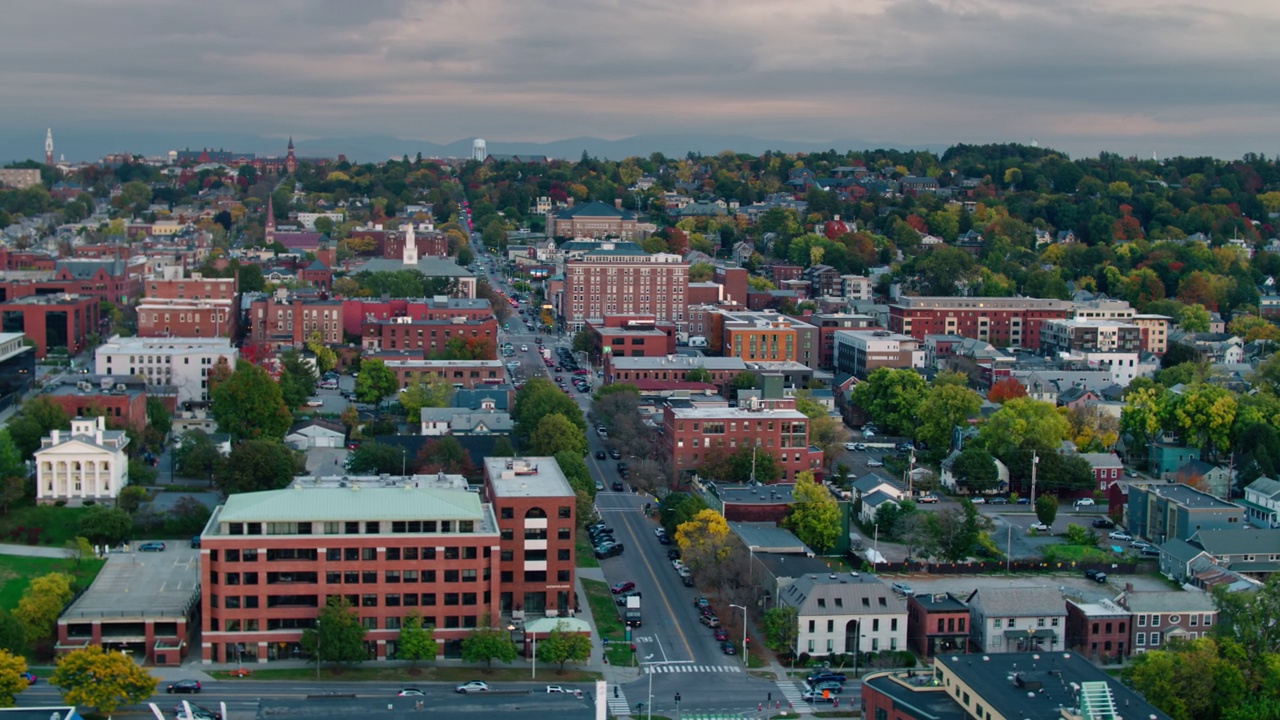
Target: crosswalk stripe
(653, 669)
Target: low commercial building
(52, 321)
(122, 398)
(459, 373)
(86, 463)
(431, 337)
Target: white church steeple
(410, 245)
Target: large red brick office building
(390, 546)
(1015, 322)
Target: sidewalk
(32, 551)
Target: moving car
(831, 686)
(473, 686)
(825, 676)
(1095, 575)
(874, 463)
(184, 686)
(1084, 502)
(817, 697)
(903, 589)
(151, 547)
(410, 692)
(197, 712)
(618, 486)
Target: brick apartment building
(1016, 322)
(186, 318)
(121, 398)
(632, 336)
(758, 336)
(827, 324)
(429, 337)
(622, 279)
(52, 321)
(861, 352)
(461, 373)
(732, 280)
(692, 434)
(670, 368)
(1091, 336)
(285, 320)
(1099, 630)
(424, 544)
(937, 623)
(535, 507)
(357, 311)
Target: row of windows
(875, 625)
(1012, 623)
(371, 527)
(1194, 619)
(352, 554)
(369, 623)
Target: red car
(721, 635)
(622, 587)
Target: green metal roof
(352, 503)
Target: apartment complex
(1091, 336)
(622, 279)
(692, 435)
(430, 337)
(181, 364)
(286, 320)
(861, 352)
(1000, 321)
(174, 306)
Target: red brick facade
(618, 283)
(52, 320)
(999, 321)
(430, 337)
(693, 435)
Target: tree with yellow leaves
(704, 540)
(11, 681)
(101, 679)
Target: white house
(1262, 502)
(315, 434)
(87, 463)
(844, 613)
(1014, 619)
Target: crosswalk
(791, 694)
(618, 703)
(691, 668)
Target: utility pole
(1035, 460)
(753, 462)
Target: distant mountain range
(93, 144)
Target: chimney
(617, 203)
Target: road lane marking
(658, 586)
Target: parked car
(314, 402)
(473, 686)
(622, 587)
(720, 634)
(617, 486)
(850, 446)
(1084, 502)
(1103, 523)
(998, 500)
(609, 550)
(600, 455)
(615, 454)
(1095, 575)
(860, 447)
(710, 621)
(701, 602)
(903, 589)
(927, 498)
(1120, 535)
(151, 547)
(978, 500)
(1149, 552)
(686, 579)
(1131, 473)
(673, 554)
(874, 463)
(1024, 501)
(727, 648)
(1140, 545)
(1040, 527)
(184, 686)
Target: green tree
(158, 417)
(556, 434)
(197, 456)
(257, 465)
(79, 549)
(1194, 318)
(943, 270)
(34, 421)
(13, 472)
(105, 525)
(825, 432)
(814, 516)
(1188, 680)
(326, 359)
(41, 604)
(11, 682)
(956, 531)
(537, 399)
(13, 638)
(102, 679)
(376, 382)
(502, 448)
(698, 374)
(677, 508)
(1080, 535)
(416, 642)
(976, 469)
(781, 627)
(943, 408)
(1023, 423)
(1047, 509)
(250, 278)
(1203, 416)
(892, 398)
(1248, 618)
(563, 646)
(745, 380)
(248, 405)
(430, 390)
(375, 458)
(486, 644)
(297, 380)
(338, 635)
(444, 454)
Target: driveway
(327, 461)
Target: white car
(678, 564)
(524, 348)
(850, 446)
(1040, 527)
(1082, 502)
(874, 463)
(1120, 535)
(315, 402)
(979, 500)
(473, 686)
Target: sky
(1188, 77)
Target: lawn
(586, 557)
(605, 612)
(424, 673)
(55, 525)
(16, 572)
(1077, 553)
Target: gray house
(1161, 512)
(1017, 619)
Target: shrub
(59, 503)
(88, 503)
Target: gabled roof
(1164, 601)
(1266, 487)
(1238, 541)
(595, 209)
(843, 594)
(1016, 601)
(1181, 550)
(1098, 461)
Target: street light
(677, 706)
(743, 608)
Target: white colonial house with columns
(86, 463)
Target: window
(996, 623)
(1155, 639)
(564, 512)
(1142, 622)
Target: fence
(1000, 566)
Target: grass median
(605, 612)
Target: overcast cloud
(1130, 76)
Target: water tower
(478, 151)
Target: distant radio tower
(48, 147)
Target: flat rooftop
(526, 477)
(677, 362)
(1190, 497)
(134, 585)
(755, 495)
(767, 537)
(735, 413)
